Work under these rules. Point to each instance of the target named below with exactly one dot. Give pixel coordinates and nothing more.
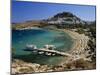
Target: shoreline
(28, 28)
(79, 41)
(77, 52)
(78, 48)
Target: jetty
(48, 50)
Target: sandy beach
(76, 52)
(78, 49)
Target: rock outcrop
(65, 18)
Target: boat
(49, 47)
(30, 47)
(40, 52)
(48, 54)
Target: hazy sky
(23, 11)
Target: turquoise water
(39, 37)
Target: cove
(40, 37)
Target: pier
(51, 52)
(46, 51)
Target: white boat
(53, 54)
(30, 47)
(50, 47)
(41, 52)
(49, 54)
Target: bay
(40, 37)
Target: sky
(24, 11)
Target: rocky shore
(21, 67)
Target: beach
(80, 46)
(77, 52)
(80, 42)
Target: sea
(40, 37)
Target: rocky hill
(61, 19)
(65, 18)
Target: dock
(48, 50)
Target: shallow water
(40, 37)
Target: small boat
(53, 54)
(30, 47)
(41, 52)
(49, 54)
(50, 47)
